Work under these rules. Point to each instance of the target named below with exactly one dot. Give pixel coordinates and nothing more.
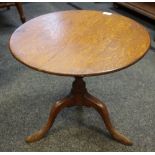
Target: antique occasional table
(79, 44)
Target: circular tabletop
(79, 43)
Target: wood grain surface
(79, 43)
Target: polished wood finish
(18, 6)
(79, 43)
(79, 96)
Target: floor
(27, 95)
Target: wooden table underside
(79, 96)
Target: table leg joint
(79, 96)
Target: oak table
(79, 44)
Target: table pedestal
(79, 96)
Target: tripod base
(79, 96)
